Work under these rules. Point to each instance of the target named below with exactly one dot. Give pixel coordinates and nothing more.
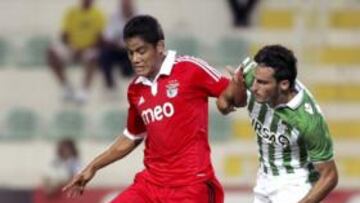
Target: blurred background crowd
(64, 74)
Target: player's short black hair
(281, 59)
(146, 27)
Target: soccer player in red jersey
(168, 110)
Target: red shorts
(142, 191)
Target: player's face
(265, 87)
(145, 58)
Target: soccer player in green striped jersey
(295, 147)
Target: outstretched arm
(122, 146)
(235, 93)
(326, 183)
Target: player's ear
(284, 85)
(160, 47)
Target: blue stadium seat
(219, 126)
(21, 123)
(112, 124)
(184, 45)
(4, 52)
(231, 51)
(33, 55)
(68, 123)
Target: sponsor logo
(141, 100)
(158, 113)
(271, 137)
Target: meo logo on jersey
(157, 113)
(172, 88)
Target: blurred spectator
(113, 51)
(64, 166)
(80, 39)
(241, 11)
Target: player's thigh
(134, 193)
(209, 191)
(291, 193)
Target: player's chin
(140, 72)
(260, 99)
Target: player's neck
(284, 98)
(157, 68)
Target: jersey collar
(295, 102)
(165, 69)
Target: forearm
(326, 183)
(237, 93)
(116, 151)
(233, 96)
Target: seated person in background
(64, 166)
(80, 39)
(113, 51)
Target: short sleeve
(135, 127)
(249, 77)
(318, 141)
(208, 78)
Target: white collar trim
(295, 102)
(165, 69)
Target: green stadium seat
(33, 54)
(4, 52)
(68, 123)
(185, 45)
(21, 123)
(219, 126)
(231, 51)
(112, 124)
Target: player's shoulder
(195, 64)
(309, 113)
(190, 61)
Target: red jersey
(171, 113)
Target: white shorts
(67, 54)
(289, 188)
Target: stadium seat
(21, 123)
(344, 129)
(68, 123)
(4, 52)
(233, 165)
(241, 129)
(340, 55)
(219, 126)
(33, 55)
(277, 18)
(331, 92)
(231, 51)
(112, 124)
(350, 166)
(345, 18)
(184, 45)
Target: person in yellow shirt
(79, 43)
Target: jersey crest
(172, 88)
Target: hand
(236, 75)
(77, 184)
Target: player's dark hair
(281, 59)
(146, 27)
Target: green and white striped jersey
(291, 137)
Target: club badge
(172, 88)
